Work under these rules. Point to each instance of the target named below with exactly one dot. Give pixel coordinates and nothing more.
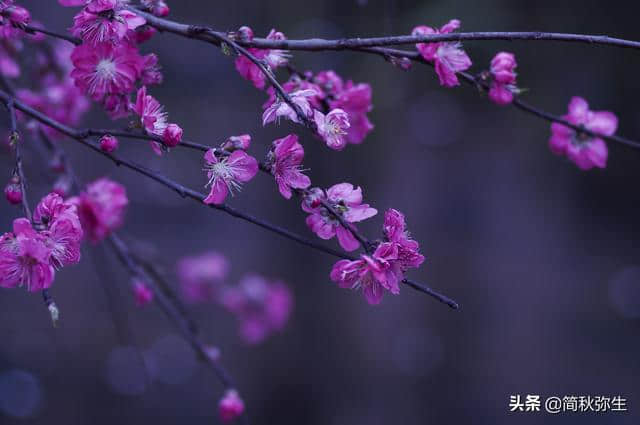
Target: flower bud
(18, 15)
(142, 293)
(108, 143)
(172, 135)
(13, 192)
(231, 406)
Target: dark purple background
(542, 257)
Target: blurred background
(542, 257)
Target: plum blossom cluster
(261, 306)
(33, 251)
(108, 66)
(339, 109)
(384, 269)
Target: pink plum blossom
(503, 75)
(355, 100)
(584, 150)
(286, 165)
(153, 118)
(226, 174)
(261, 306)
(104, 68)
(62, 231)
(107, 25)
(346, 200)
(101, 208)
(231, 406)
(395, 232)
(273, 57)
(18, 15)
(372, 273)
(332, 127)
(201, 276)
(108, 143)
(448, 57)
(25, 258)
(280, 108)
(150, 73)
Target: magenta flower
(142, 293)
(355, 100)
(101, 208)
(108, 143)
(18, 15)
(280, 108)
(503, 84)
(372, 273)
(448, 57)
(62, 231)
(104, 69)
(13, 192)
(226, 174)
(262, 307)
(584, 150)
(153, 117)
(25, 258)
(332, 127)
(150, 73)
(345, 200)
(286, 165)
(201, 276)
(101, 23)
(395, 232)
(274, 58)
(231, 406)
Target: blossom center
(106, 69)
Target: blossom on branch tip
(62, 229)
(584, 150)
(18, 15)
(395, 232)
(373, 273)
(230, 406)
(227, 174)
(285, 160)
(447, 57)
(503, 84)
(345, 200)
(153, 117)
(332, 127)
(101, 207)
